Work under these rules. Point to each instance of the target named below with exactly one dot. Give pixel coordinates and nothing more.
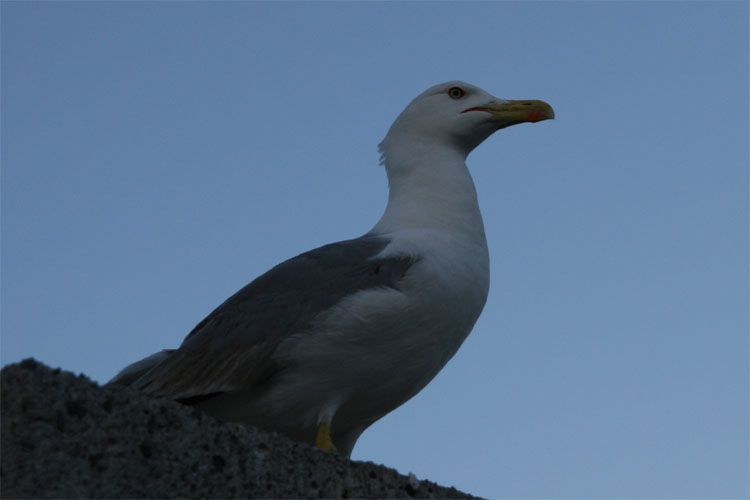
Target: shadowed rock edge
(64, 436)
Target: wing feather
(232, 348)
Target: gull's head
(461, 116)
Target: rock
(64, 436)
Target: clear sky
(158, 156)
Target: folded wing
(233, 347)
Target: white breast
(377, 348)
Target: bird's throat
(431, 192)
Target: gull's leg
(323, 438)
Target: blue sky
(158, 156)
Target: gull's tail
(133, 372)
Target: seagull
(328, 342)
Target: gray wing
(232, 347)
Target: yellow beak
(513, 112)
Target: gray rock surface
(63, 436)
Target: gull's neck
(430, 187)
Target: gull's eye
(456, 92)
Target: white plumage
(324, 344)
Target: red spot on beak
(535, 116)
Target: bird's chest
(429, 317)
(415, 329)
(384, 344)
(448, 289)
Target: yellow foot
(323, 439)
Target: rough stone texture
(63, 436)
